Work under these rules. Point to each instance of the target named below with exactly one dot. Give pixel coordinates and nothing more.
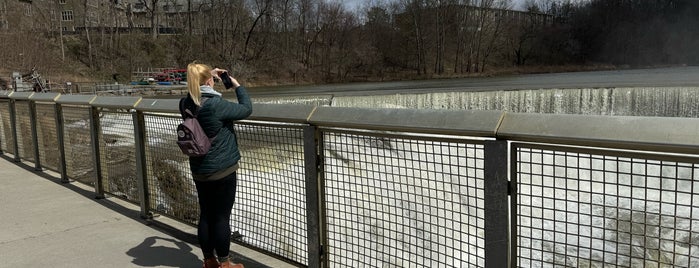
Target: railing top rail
(116, 102)
(449, 122)
(45, 97)
(291, 113)
(663, 134)
(159, 105)
(75, 99)
(21, 95)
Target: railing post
(35, 134)
(313, 209)
(496, 204)
(58, 109)
(141, 169)
(94, 134)
(2, 134)
(514, 157)
(13, 125)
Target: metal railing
(348, 187)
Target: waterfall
(657, 101)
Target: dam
(655, 101)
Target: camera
(226, 79)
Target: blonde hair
(197, 74)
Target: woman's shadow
(147, 254)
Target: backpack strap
(187, 112)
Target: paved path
(45, 223)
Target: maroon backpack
(191, 137)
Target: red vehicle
(164, 77)
(172, 75)
(177, 74)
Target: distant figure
(37, 87)
(215, 174)
(4, 84)
(115, 76)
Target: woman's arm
(240, 110)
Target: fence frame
(5, 97)
(61, 100)
(48, 98)
(499, 129)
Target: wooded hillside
(321, 41)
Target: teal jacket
(216, 117)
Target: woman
(215, 173)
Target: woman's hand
(217, 71)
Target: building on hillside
(17, 15)
(74, 16)
(43, 15)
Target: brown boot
(211, 263)
(229, 264)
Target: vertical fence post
(313, 211)
(514, 157)
(94, 134)
(35, 134)
(58, 109)
(141, 169)
(13, 125)
(496, 204)
(2, 134)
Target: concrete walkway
(45, 223)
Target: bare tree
(262, 9)
(151, 7)
(441, 20)
(416, 10)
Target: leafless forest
(322, 41)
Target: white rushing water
(594, 211)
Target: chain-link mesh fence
(80, 164)
(270, 206)
(170, 184)
(396, 199)
(47, 136)
(605, 209)
(269, 212)
(24, 131)
(117, 154)
(403, 201)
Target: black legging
(215, 203)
